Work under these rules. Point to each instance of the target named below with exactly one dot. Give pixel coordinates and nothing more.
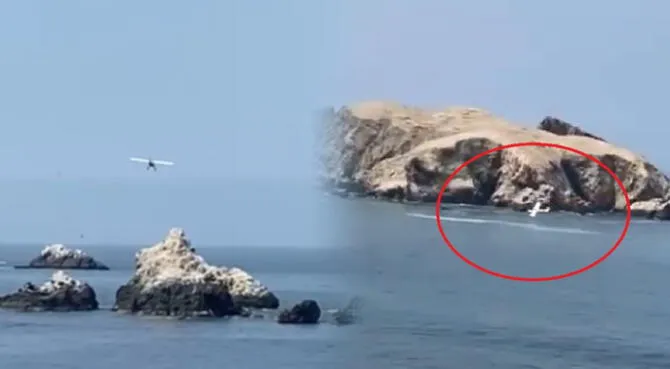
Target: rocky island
(391, 151)
(61, 293)
(304, 312)
(171, 279)
(57, 256)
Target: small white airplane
(537, 209)
(151, 164)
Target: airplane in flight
(152, 164)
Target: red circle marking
(533, 279)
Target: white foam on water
(531, 226)
(637, 221)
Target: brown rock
(563, 128)
(394, 151)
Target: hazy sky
(600, 64)
(227, 88)
(223, 88)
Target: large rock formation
(171, 279)
(61, 293)
(58, 256)
(398, 152)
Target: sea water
(423, 307)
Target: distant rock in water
(305, 312)
(61, 293)
(171, 279)
(563, 128)
(58, 256)
(395, 152)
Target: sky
(223, 88)
(600, 64)
(227, 90)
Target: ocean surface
(423, 307)
(105, 340)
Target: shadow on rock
(178, 298)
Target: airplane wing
(139, 160)
(163, 162)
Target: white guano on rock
(174, 260)
(58, 250)
(59, 280)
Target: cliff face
(392, 151)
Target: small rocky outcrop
(652, 209)
(61, 293)
(57, 256)
(172, 279)
(304, 312)
(563, 128)
(390, 151)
